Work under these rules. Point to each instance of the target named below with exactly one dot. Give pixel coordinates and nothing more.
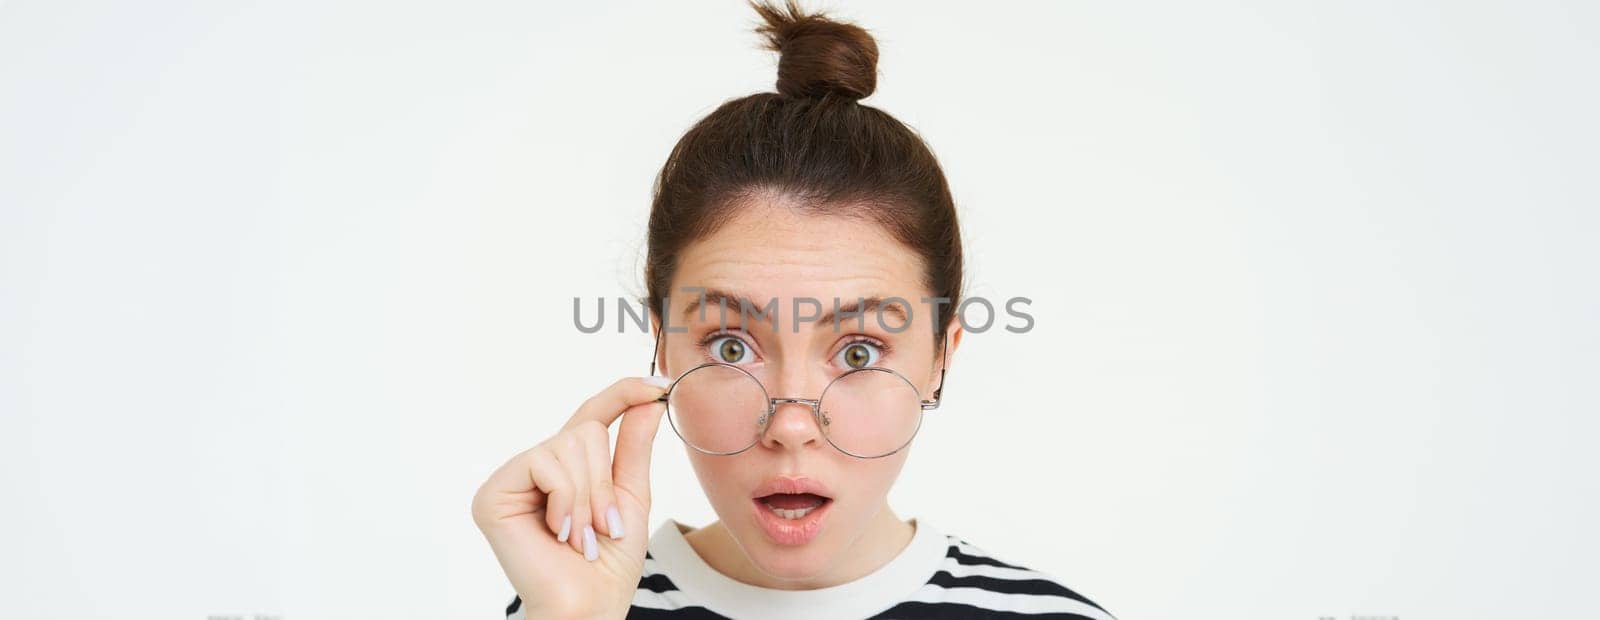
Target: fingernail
(591, 547)
(566, 528)
(614, 522)
(660, 382)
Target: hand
(548, 512)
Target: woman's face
(768, 251)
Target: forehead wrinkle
(765, 261)
(741, 274)
(772, 250)
(776, 225)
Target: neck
(883, 539)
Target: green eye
(729, 350)
(859, 355)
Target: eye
(859, 355)
(729, 350)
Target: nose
(793, 424)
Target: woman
(797, 423)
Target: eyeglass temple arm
(656, 351)
(938, 392)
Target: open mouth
(791, 509)
(793, 505)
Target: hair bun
(816, 55)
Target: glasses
(722, 409)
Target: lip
(791, 484)
(791, 532)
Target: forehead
(768, 249)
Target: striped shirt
(936, 576)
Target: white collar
(877, 591)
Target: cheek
(878, 475)
(721, 477)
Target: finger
(606, 405)
(525, 484)
(558, 488)
(569, 451)
(630, 469)
(602, 499)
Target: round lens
(717, 408)
(870, 412)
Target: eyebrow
(860, 305)
(720, 298)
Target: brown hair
(813, 142)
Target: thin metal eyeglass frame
(815, 403)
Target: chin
(789, 562)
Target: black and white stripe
(968, 584)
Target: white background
(1314, 284)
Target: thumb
(630, 467)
